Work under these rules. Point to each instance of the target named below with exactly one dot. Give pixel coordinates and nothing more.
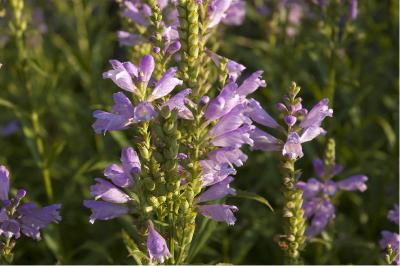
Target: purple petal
(317, 114)
(311, 188)
(144, 111)
(129, 39)
(235, 14)
(117, 175)
(223, 103)
(213, 172)
(178, 102)
(311, 132)
(108, 192)
(146, 69)
(216, 11)
(219, 213)
(34, 218)
(4, 182)
(166, 84)
(130, 161)
(120, 76)
(264, 141)
(217, 191)
(393, 215)
(292, 147)
(259, 115)
(102, 210)
(156, 246)
(319, 167)
(251, 84)
(134, 14)
(352, 183)
(231, 121)
(229, 155)
(235, 138)
(10, 228)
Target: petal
(108, 192)
(310, 133)
(219, 213)
(4, 182)
(217, 191)
(259, 115)
(166, 84)
(264, 141)
(102, 210)
(352, 183)
(251, 84)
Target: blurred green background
(50, 86)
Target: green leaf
(7, 104)
(253, 196)
(133, 249)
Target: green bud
(154, 201)
(165, 112)
(149, 184)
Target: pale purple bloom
(292, 147)
(234, 138)
(122, 175)
(231, 121)
(146, 69)
(144, 111)
(10, 228)
(393, 215)
(217, 11)
(214, 172)
(120, 76)
(290, 120)
(219, 213)
(316, 115)
(178, 102)
(392, 239)
(108, 192)
(352, 183)
(223, 103)
(204, 100)
(317, 205)
(102, 210)
(166, 84)
(4, 182)
(353, 11)
(259, 115)
(235, 13)
(251, 84)
(229, 155)
(134, 14)
(311, 133)
(130, 39)
(264, 141)
(173, 47)
(217, 191)
(156, 246)
(121, 115)
(33, 218)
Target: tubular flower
(27, 219)
(317, 205)
(390, 240)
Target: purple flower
(393, 215)
(121, 116)
(251, 84)
(130, 39)
(34, 218)
(352, 183)
(319, 168)
(213, 172)
(235, 13)
(317, 114)
(217, 191)
(173, 47)
(223, 103)
(392, 239)
(144, 111)
(231, 121)
(217, 11)
(166, 84)
(146, 69)
(353, 11)
(311, 188)
(311, 133)
(264, 141)
(259, 115)
(10, 228)
(9, 128)
(292, 148)
(134, 14)
(229, 155)
(122, 175)
(323, 213)
(108, 192)
(156, 246)
(219, 213)
(235, 138)
(178, 102)
(102, 210)
(120, 76)
(4, 182)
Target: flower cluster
(317, 205)
(229, 12)
(390, 241)
(17, 218)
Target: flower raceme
(390, 240)
(129, 187)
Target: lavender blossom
(102, 210)
(156, 246)
(393, 215)
(219, 213)
(391, 239)
(27, 218)
(317, 204)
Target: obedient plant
(18, 219)
(301, 126)
(390, 240)
(317, 194)
(187, 144)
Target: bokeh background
(49, 89)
